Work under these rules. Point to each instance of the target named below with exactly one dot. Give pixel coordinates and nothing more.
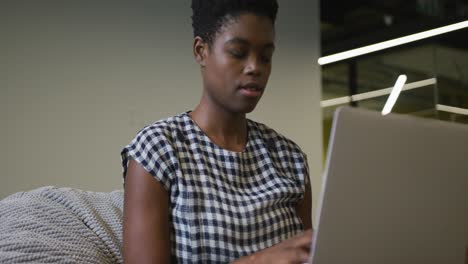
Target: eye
(265, 59)
(238, 54)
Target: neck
(227, 130)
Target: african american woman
(210, 185)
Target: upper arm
(304, 207)
(146, 235)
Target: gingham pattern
(224, 204)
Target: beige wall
(78, 79)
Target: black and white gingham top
(223, 204)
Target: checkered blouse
(223, 204)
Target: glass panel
(452, 81)
(441, 64)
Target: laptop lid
(395, 190)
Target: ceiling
(350, 24)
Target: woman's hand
(291, 251)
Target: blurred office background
(78, 79)
(436, 67)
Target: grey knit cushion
(61, 225)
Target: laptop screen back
(395, 190)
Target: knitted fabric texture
(61, 225)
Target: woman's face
(237, 65)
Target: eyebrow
(242, 41)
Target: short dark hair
(210, 15)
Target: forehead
(255, 29)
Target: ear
(200, 49)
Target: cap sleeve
(306, 170)
(301, 168)
(152, 149)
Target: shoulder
(164, 131)
(276, 140)
(154, 147)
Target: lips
(251, 90)
(252, 87)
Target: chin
(247, 109)
(243, 107)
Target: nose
(253, 66)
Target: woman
(210, 185)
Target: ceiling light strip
(452, 109)
(335, 101)
(391, 43)
(391, 101)
(376, 93)
(385, 91)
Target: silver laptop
(395, 190)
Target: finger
(304, 239)
(300, 255)
(307, 232)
